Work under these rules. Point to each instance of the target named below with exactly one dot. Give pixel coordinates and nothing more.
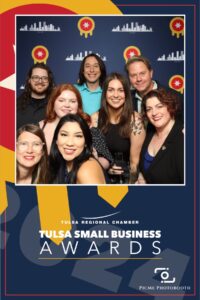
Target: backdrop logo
(40, 54)
(164, 275)
(130, 52)
(176, 26)
(176, 82)
(86, 26)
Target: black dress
(120, 150)
(167, 167)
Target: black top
(116, 143)
(99, 143)
(167, 167)
(34, 112)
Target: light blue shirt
(91, 99)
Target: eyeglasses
(35, 146)
(36, 78)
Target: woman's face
(70, 141)
(29, 149)
(65, 104)
(157, 112)
(115, 95)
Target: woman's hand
(115, 170)
(140, 179)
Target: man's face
(140, 77)
(92, 70)
(39, 82)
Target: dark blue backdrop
(68, 41)
(173, 210)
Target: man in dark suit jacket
(140, 73)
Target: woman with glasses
(31, 155)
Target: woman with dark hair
(162, 155)
(66, 99)
(71, 159)
(123, 128)
(31, 155)
(91, 77)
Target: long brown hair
(102, 67)
(40, 172)
(50, 112)
(127, 112)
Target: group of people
(105, 129)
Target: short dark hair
(138, 58)
(102, 66)
(57, 162)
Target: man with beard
(140, 73)
(31, 104)
(91, 77)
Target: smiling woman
(162, 155)
(71, 159)
(123, 128)
(31, 155)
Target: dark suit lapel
(165, 147)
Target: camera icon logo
(164, 275)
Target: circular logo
(176, 82)
(40, 54)
(177, 26)
(131, 51)
(86, 26)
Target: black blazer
(167, 166)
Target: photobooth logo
(164, 275)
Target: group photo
(100, 100)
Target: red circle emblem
(176, 82)
(178, 24)
(131, 51)
(86, 24)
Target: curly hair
(166, 97)
(26, 95)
